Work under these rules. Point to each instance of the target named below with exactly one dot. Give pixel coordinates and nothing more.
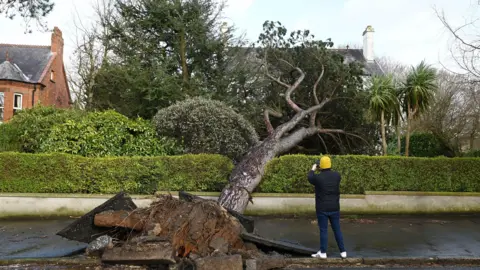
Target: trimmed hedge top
(366, 173)
(62, 173)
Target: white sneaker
(319, 254)
(343, 255)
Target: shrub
(472, 153)
(30, 128)
(108, 133)
(425, 145)
(63, 173)
(206, 126)
(363, 173)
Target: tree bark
(384, 139)
(248, 173)
(407, 137)
(183, 58)
(399, 139)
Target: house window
(52, 76)
(2, 104)
(17, 102)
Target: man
(327, 204)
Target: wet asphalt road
(385, 236)
(364, 237)
(35, 239)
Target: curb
(289, 262)
(385, 261)
(51, 261)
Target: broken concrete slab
(280, 246)
(266, 263)
(141, 254)
(247, 222)
(232, 262)
(84, 230)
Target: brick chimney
(368, 44)
(57, 41)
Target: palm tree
(383, 103)
(397, 117)
(419, 90)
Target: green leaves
(109, 133)
(164, 51)
(30, 128)
(62, 173)
(206, 126)
(362, 173)
(383, 97)
(95, 134)
(420, 87)
(27, 9)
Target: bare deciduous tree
(91, 53)
(465, 52)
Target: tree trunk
(246, 176)
(384, 139)
(183, 58)
(399, 139)
(248, 173)
(407, 137)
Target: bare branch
(315, 97)
(277, 80)
(266, 117)
(454, 32)
(323, 143)
(290, 90)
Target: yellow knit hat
(325, 163)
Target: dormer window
(52, 76)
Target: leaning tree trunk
(248, 173)
(384, 139)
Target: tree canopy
(341, 82)
(29, 10)
(163, 51)
(207, 126)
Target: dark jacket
(327, 190)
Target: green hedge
(364, 173)
(61, 173)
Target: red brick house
(31, 74)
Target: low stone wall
(51, 205)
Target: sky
(407, 31)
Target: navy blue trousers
(334, 217)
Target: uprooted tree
(303, 122)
